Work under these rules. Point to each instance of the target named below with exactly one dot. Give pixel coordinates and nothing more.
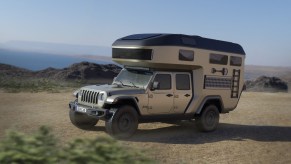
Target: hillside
(15, 79)
(252, 72)
(78, 71)
(267, 84)
(81, 71)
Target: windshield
(133, 78)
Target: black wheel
(208, 120)
(81, 120)
(123, 123)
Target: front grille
(89, 96)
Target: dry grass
(258, 131)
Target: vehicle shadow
(187, 133)
(95, 128)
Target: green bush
(37, 148)
(101, 150)
(18, 84)
(42, 147)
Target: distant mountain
(13, 71)
(80, 71)
(56, 48)
(267, 84)
(252, 72)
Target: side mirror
(155, 85)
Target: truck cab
(165, 77)
(164, 92)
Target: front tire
(81, 120)
(208, 120)
(124, 122)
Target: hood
(115, 89)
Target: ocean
(38, 61)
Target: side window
(182, 82)
(218, 59)
(164, 81)
(235, 61)
(186, 55)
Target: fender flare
(209, 98)
(133, 101)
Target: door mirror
(155, 85)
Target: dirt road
(258, 131)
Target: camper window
(186, 55)
(218, 59)
(128, 53)
(235, 61)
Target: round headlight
(80, 93)
(101, 96)
(77, 93)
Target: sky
(262, 27)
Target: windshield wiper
(133, 84)
(120, 82)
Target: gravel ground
(257, 131)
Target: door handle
(186, 95)
(169, 95)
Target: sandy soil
(258, 131)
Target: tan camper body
(217, 67)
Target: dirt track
(258, 131)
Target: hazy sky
(262, 27)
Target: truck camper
(165, 77)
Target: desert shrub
(101, 150)
(42, 147)
(17, 84)
(37, 148)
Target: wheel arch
(132, 101)
(216, 100)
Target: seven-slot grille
(89, 96)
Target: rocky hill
(81, 71)
(78, 71)
(12, 71)
(267, 84)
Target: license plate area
(81, 109)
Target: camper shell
(167, 77)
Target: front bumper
(99, 113)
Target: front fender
(123, 100)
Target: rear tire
(124, 122)
(81, 120)
(208, 120)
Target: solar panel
(140, 36)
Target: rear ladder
(235, 83)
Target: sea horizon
(36, 61)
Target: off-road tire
(124, 122)
(81, 120)
(208, 120)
